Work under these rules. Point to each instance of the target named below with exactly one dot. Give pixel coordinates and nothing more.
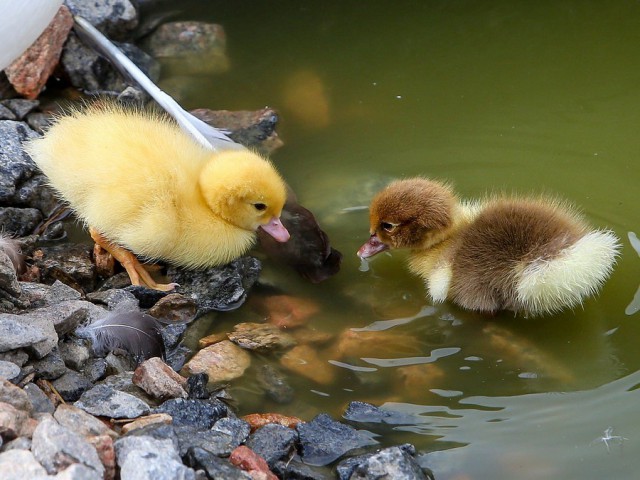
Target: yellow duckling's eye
(261, 207)
(388, 227)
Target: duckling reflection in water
(145, 187)
(529, 255)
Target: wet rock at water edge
(253, 129)
(392, 462)
(57, 447)
(104, 401)
(261, 337)
(366, 413)
(324, 440)
(191, 47)
(236, 428)
(174, 308)
(196, 413)
(221, 288)
(275, 384)
(222, 362)
(273, 442)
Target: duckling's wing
(205, 134)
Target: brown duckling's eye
(261, 207)
(388, 227)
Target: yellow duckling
(143, 185)
(532, 256)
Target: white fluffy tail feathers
(548, 286)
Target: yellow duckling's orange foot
(137, 272)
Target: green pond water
(493, 96)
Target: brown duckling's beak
(372, 247)
(276, 230)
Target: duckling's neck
(438, 249)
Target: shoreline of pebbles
(68, 413)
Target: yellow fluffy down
(135, 177)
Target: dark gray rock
(75, 353)
(273, 442)
(324, 440)
(115, 18)
(295, 469)
(218, 289)
(91, 72)
(19, 357)
(72, 385)
(35, 192)
(177, 357)
(104, 401)
(392, 462)
(20, 107)
(159, 432)
(96, 369)
(367, 413)
(39, 121)
(213, 441)
(172, 334)
(115, 298)
(57, 447)
(69, 263)
(9, 370)
(197, 386)
(40, 402)
(235, 427)
(253, 129)
(37, 335)
(19, 221)
(6, 113)
(69, 314)
(8, 276)
(51, 366)
(214, 466)
(201, 414)
(15, 165)
(143, 457)
(275, 384)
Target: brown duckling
(529, 255)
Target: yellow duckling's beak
(276, 229)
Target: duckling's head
(245, 190)
(413, 213)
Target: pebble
(175, 308)
(153, 419)
(79, 421)
(273, 442)
(260, 337)
(251, 462)
(104, 401)
(213, 441)
(324, 440)
(148, 458)
(222, 362)
(158, 379)
(19, 464)
(9, 370)
(56, 447)
(214, 466)
(274, 384)
(71, 385)
(201, 414)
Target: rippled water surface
(492, 96)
